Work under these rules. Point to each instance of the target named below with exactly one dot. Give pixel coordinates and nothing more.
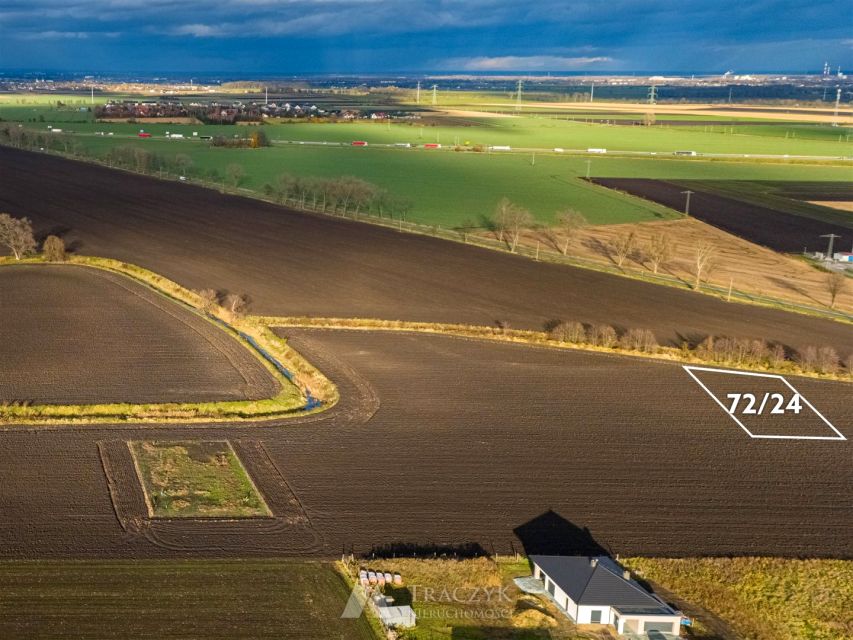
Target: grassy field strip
(290, 401)
(536, 338)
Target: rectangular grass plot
(195, 479)
(764, 405)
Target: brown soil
(507, 446)
(76, 335)
(293, 263)
(777, 230)
(746, 266)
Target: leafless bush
(776, 356)
(54, 249)
(639, 340)
(827, 360)
(849, 364)
(706, 349)
(568, 332)
(603, 335)
(209, 300)
(807, 359)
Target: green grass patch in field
(196, 479)
(763, 598)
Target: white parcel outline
(690, 369)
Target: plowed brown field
(442, 440)
(76, 335)
(293, 263)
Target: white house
(596, 590)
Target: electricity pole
(588, 166)
(518, 96)
(687, 204)
(591, 91)
(418, 93)
(832, 238)
(653, 94)
(434, 95)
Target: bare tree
(835, 284)
(703, 263)
(519, 220)
(53, 249)
(235, 304)
(603, 335)
(17, 235)
(623, 246)
(639, 340)
(568, 332)
(827, 360)
(659, 250)
(500, 218)
(570, 221)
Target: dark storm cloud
(381, 35)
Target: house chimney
(593, 562)
(626, 574)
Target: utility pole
(653, 94)
(591, 91)
(588, 166)
(688, 193)
(518, 96)
(266, 95)
(832, 238)
(837, 107)
(434, 95)
(93, 93)
(730, 95)
(418, 93)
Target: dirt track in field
(445, 441)
(76, 335)
(767, 227)
(292, 263)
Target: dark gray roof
(601, 584)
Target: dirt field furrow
(292, 263)
(507, 446)
(77, 335)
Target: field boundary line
(525, 337)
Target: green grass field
(195, 479)
(459, 189)
(175, 599)
(453, 189)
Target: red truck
(359, 143)
(142, 134)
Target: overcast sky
(377, 36)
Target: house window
(595, 616)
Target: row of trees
(337, 195)
(742, 352)
(31, 140)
